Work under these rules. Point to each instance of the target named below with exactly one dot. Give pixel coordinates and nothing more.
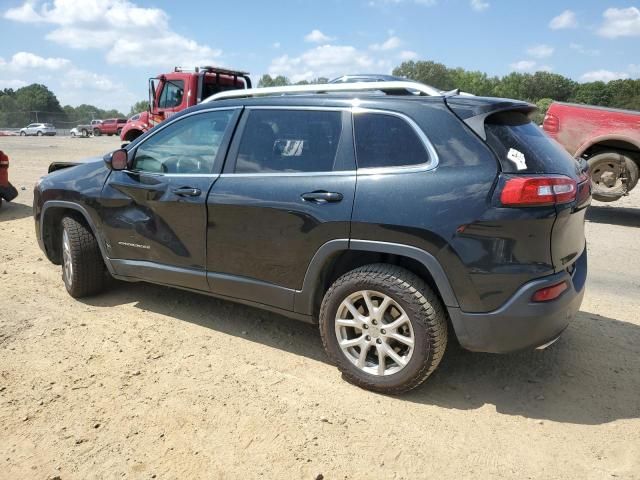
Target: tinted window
(386, 141)
(172, 94)
(189, 145)
(522, 146)
(289, 141)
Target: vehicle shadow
(626, 217)
(590, 376)
(14, 211)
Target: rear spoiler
(474, 110)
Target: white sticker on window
(518, 158)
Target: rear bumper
(521, 324)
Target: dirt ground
(149, 382)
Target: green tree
(40, 102)
(267, 81)
(141, 106)
(593, 93)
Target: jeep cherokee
(389, 219)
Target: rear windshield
(522, 146)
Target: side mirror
(117, 160)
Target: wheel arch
(610, 142)
(337, 257)
(53, 212)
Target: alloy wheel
(374, 332)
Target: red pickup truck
(608, 138)
(110, 126)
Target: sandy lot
(149, 382)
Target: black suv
(390, 219)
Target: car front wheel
(39, 134)
(83, 269)
(383, 327)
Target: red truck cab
(173, 92)
(608, 138)
(110, 126)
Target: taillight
(531, 191)
(549, 293)
(551, 124)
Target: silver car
(38, 129)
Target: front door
(287, 188)
(155, 213)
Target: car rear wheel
(384, 328)
(39, 134)
(83, 269)
(612, 175)
(119, 131)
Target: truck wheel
(97, 132)
(383, 327)
(119, 131)
(83, 269)
(607, 170)
(85, 133)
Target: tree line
(541, 88)
(36, 103)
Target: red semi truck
(608, 138)
(172, 92)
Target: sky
(102, 52)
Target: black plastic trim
(87, 217)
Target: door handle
(187, 191)
(322, 197)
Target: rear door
(287, 188)
(155, 213)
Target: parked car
(87, 129)
(38, 129)
(110, 126)
(388, 220)
(608, 138)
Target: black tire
(23, 134)
(97, 132)
(609, 163)
(87, 274)
(39, 134)
(85, 132)
(426, 315)
(119, 132)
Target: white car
(38, 129)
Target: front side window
(284, 141)
(188, 146)
(384, 140)
(172, 94)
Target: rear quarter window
(523, 147)
(385, 140)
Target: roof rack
(211, 69)
(386, 87)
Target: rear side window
(523, 147)
(289, 141)
(384, 140)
